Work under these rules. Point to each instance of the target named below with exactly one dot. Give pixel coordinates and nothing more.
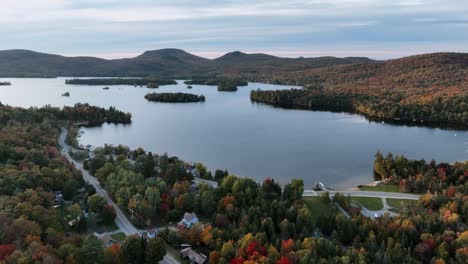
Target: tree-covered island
(224, 84)
(148, 82)
(175, 97)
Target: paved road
(121, 220)
(366, 194)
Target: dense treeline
(418, 175)
(150, 83)
(92, 115)
(389, 106)
(175, 97)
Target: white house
(189, 220)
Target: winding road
(121, 220)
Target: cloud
(115, 27)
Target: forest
(175, 97)
(37, 225)
(386, 106)
(88, 114)
(148, 82)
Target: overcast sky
(123, 28)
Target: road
(121, 220)
(366, 194)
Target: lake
(230, 132)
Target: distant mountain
(25, 63)
(156, 63)
(241, 63)
(427, 70)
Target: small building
(210, 183)
(188, 220)
(75, 221)
(192, 256)
(152, 233)
(58, 199)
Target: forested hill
(157, 63)
(425, 88)
(420, 71)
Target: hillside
(424, 88)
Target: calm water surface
(230, 132)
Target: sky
(379, 29)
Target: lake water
(228, 131)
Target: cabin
(188, 221)
(192, 256)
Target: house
(192, 256)
(199, 181)
(188, 220)
(152, 233)
(58, 199)
(75, 221)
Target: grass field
(371, 203)
(401, 203)
(380, 188)
(120, 237)
(316, 206)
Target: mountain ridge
(177, 63)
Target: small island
(215, 81)
(5, 83)
(105, 88)
(148, 82)
(224, 84)
(227, 87)
(175, 97)
(67, 94)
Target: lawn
(380, 188)
(316, 206)
(401, 203)
(119, 237)
(371, 203)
